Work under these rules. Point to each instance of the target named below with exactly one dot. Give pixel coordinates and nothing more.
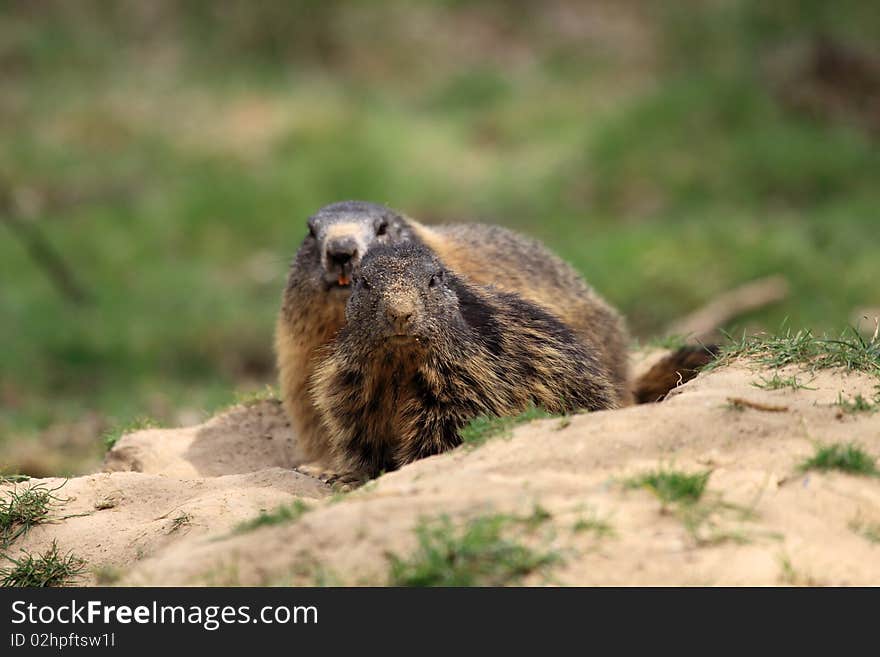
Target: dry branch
(700, 325)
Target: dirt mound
(166, 512)
(245, 439)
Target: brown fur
(491, 255)
(298, 337)
(424, 351)
(312, 313)
(672, 371)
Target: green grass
(267, 393)
(537, 517)
(851, 351)
(283, 514)
(777, 382)
(858, 404)
(24, 507)
(112, 436)
(708, 519)
(672, 486)
(592, 523)
(692, 175)
(477, 554)
(848, 458)
(42, 570)
(481, 429)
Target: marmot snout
(399, 293)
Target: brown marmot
(424, 351)
(318, 286)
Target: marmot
(424, 351)
(318, 286)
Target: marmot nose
(341, 252)
(400, 317)
(401, 322)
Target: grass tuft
(48, 569)
(705, 517)
(537, 517)
(851, 351)
(672, 487)
(777, 382)
(482, 428)
(283, 514)
(849, 458)
(22, 509)
(477, 554)
(858, 404)
(594, 524)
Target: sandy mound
(762, 521)
(244, 439)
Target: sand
(165, 510)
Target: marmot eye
(436, 278)
(382, 228)
(362, 282)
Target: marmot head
(402, 297)
(340, 235)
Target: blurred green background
(171, 152)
